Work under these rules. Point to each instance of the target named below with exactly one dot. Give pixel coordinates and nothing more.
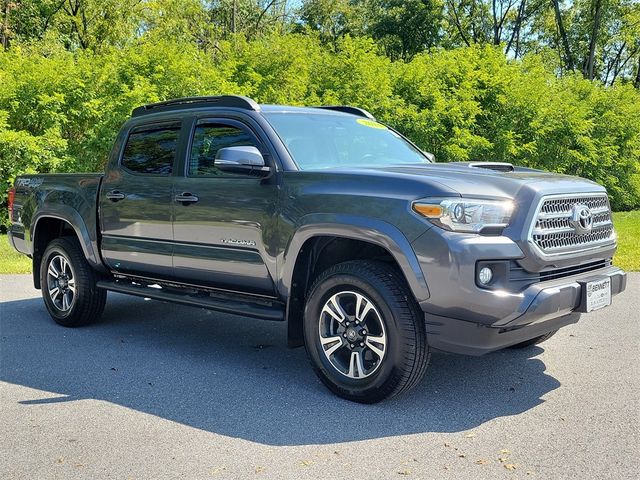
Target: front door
(223, 221)
(135, 203)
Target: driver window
(210, 138)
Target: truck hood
(468, 179)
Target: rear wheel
(68, 284)
(534, 341)
(364, 332)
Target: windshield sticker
(371, 123)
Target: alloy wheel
(352, 334)
(61, 283)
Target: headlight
(465, 214)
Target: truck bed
(69, 196)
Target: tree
(405, 28)
(495, 22)
(332, 19)
(590, 59)
(76, 24)
(250, 17)
(5, 32)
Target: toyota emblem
(581, 219)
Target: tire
(535, 340)
(68, 284)
(388, 359)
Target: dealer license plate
(598, 294)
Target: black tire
(85, 304)
(406, 353)
(535, 340)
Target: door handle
(115, 195)
(186, 198)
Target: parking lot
(163, 391)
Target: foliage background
(69, 78)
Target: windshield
(326, 141)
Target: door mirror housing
(247, 160)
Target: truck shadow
(235, 377)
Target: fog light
(485, 275)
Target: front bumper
(547, 300)
(553, 306)
(464, 318)
(468, 338)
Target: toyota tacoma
(328, 220)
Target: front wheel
(364, 332)
(68, 284)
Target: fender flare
(74, 219)
(366, 229)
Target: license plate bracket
(596, 294)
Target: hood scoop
(495, 166)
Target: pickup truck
(328, 220)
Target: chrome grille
(553, 232)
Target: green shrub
(60, 110)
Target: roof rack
(361, 112)
(232, 101)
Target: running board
(236, 304)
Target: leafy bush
(60, 110)
(473, 104)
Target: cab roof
(240, 102)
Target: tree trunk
(637, 81)
(496, 34)
(233, 16)
(472, 16)
(589, 64)
(613, 63)
(458, 25)
(563, 35)
(515, 35)
(263, 13)
(5, 24)
(621, 66)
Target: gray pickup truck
(325, 219)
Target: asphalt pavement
(160, 391)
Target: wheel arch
(47, 226)
(322, 241)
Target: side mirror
(246, 160)
(430, 156)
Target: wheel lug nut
(364, 332)
(344, 335)
(362, 344)
(347, 324)
(351, 345)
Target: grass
(627, 257)
(12, 261)
(628, 228)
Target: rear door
(135, 202)
(224, 221)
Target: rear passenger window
(151, 151)
(208, 139)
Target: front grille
(553, 232)
(521, 278)
(556, 273)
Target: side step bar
(227, 303)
